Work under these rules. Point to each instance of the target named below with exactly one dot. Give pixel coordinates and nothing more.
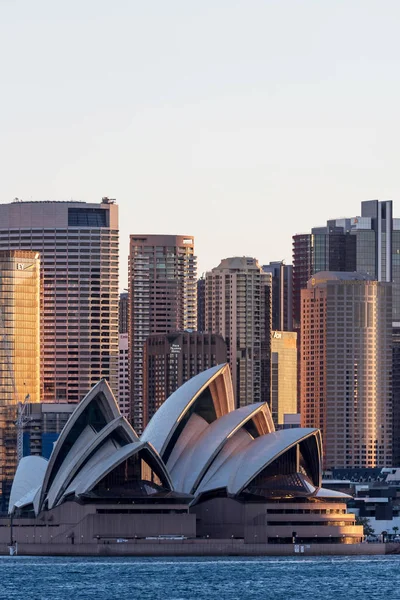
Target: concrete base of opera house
(197, 547)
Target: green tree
(364, 521)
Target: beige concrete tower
(238, 307)
(19, 350)
(78, 246)
(346, 361)
(162, 298)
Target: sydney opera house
(201, 469)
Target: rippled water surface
(286, 578)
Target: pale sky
(240, 122)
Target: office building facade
(162, 298)
(283, 376)
(19, 350)
(173, 359)
(78, 245)
(282, 295)
(238, 307)
(346, 362)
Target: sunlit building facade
(346, 362)
(19, 349)
(283, 375)
(78, 246)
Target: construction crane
(23, 419)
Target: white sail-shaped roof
(83, 448)
(188, 470)
(244, 463)
(167, 418)
(27, 480)
(98, 408)
(103, 463)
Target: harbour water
(285, 578)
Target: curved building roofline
(71, 467)
(28, 478)
(264, 450)
(247, 460)
(95, 473)
(167, 418)
(196, 459)
(109, 408)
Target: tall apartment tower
(78, 246)
(173, 359)
(346, 362)
(238, 307)
(282, 295)
(162, 298)
(19, 351)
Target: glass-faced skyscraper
(19, 350)
(78, 246)
(162, 298)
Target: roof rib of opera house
(196, 444)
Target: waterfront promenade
(199, 547)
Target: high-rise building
(19, 350)
(78, 245)
(324, 249)
(283, 376)
(173, 359)
(369, 243)
(124, 397)
(346, 362)
(162, 298)
(123, 312)
(201, 303)
(282, 295)
(238, 307)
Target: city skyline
(268, 255)
(269, 113)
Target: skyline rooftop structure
(78, 246)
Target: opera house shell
(200, 469)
